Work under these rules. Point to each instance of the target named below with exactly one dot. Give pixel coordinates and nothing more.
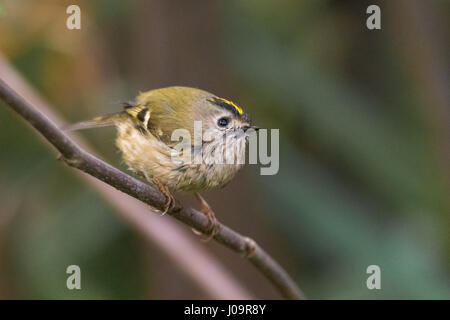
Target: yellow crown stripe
(239, 110)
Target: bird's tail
(97, 122)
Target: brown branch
(78, 158)
(166, 235)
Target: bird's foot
(170, 200)
(213, 223)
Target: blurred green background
(364, 142)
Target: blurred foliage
(361, 178)
(385, 204)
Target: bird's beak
(250, 127)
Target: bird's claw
(170, 202)
(213, 224)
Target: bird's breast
(147, 155)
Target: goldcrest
(145, 131)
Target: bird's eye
(223, 122)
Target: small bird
(144, 136)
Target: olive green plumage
(145, 130)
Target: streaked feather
(98, 122)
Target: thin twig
(78, 158)
(176, 242)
